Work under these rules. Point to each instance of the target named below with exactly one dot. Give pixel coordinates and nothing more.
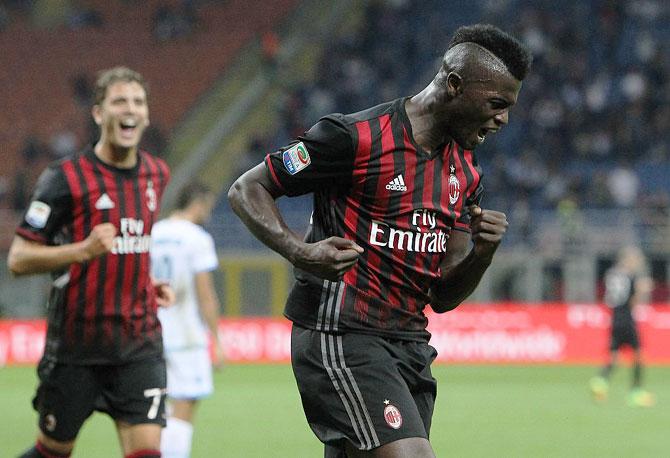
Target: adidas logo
(397, 184)
(104, 202)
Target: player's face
(123, 115)
(205, 207)
(483, 108)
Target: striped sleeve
(322, 158)
(49, 209)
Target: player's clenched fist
(329, 258)
(488, 228)
(100, 241)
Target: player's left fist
(165, 296)
(488, 228)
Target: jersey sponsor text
(132, 239)
(423, 240)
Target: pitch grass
(482, 411)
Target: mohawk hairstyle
(515, 55)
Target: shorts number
(156, 394)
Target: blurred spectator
(163, 23)
(598, 194)
(82, 90)
(82, 16)
(623, 185)
(63, 143)
(32, 150)
(270, 49)
(169, 23)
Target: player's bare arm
(208, 302)
(462, 271)
(252, 197)
(28, 257)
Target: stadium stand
(40, 63)
(581, 169)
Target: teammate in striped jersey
(396, 226)
(89, 224)
(183, 254)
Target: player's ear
(454, 84)
(96, 112)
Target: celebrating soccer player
(396, 190)
(89, 224)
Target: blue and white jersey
(180, 249)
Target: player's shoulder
(70, 160)
(154, 161)
(182, 227)
(350, 119)
(59, 172)
(374, 112)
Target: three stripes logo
(397, 184)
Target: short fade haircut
(113, 75)
(515, 55)
(192, 192)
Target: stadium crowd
(590, 128)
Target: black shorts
(366, 390)
(68, 394)
(624, 334)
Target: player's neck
(428, 132)
(122, 158)
(184, 215)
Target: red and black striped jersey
(374, 184)
(103, 311)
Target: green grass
(482, 411)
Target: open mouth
(481, 135)
(128, 127)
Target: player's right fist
(100, 241)
(330, 258)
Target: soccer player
(89, 223)
(396, 206)
(625, 285)
(183, 255)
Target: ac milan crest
(454, 187)
(151, 196)
(392, 415)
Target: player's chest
(414, 191)
(131, 204)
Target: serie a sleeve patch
(38, 214)
(296, 158)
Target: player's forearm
(210, 314)
(458, 283)
(27, 257)
(258, 211)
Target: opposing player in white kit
(183, 254)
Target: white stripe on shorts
(346, 386)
